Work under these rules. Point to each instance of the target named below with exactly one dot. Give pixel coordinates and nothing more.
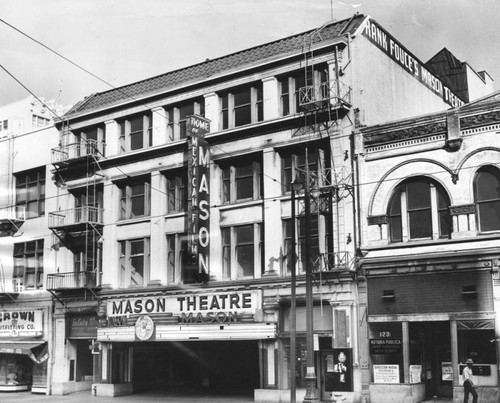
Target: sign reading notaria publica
(397, 52)
(21, 323)
(199, 193)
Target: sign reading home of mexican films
(194, 308)
(199, 194)
(397, 52)
(21, 323)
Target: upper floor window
(134, 198)
(30, 192)
(242, 251)
(293, 164)
(91, 140)
(419, 209)
(39, 121)
(136, 132)
(28, 265)
(177, 117)
(4, 125)
(241, 180)
(176, 191)
(487, 198)
(134, 262)
(242, 106)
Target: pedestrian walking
(469, 384)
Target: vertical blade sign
(199, 194)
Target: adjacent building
(430, 227)
(170, 232)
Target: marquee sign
(21, 323)
(397, 52)
(194, 308)
(199, 193)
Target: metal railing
(73, 280)
(78, 215)
(11, 285)
(335, 93)
(337, 261)
(77, 150)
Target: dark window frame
(31, 184)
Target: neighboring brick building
(430, 239)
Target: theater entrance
(197, 367)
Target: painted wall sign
(199, 192)
(21, 323)
(195, 308)
(388, 373)
(397, 52)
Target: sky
(122, 41)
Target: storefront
(201, 341)
(23, 351)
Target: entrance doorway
(430, 347)
(197, 367)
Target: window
(179, 268)
(134, 262)
(487, 198)
(177, 117)
(242, 251)
(419, 209)
(28, 265)
(136, 132)
(301, 240)
(30, 192)
(91, 140)
(4, 125)
(176, 191)
(293, 164)
(134, 199)
(39, 121)
(242, 106)
(241, 181)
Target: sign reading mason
(199, 193)
(21, 323)
(397, 52)
(195, 308)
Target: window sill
(137, 220)
(238, 205)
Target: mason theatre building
(181, 243)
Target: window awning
(37, 351)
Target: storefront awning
(37, 351)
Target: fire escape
(325, 101)
(79, 229)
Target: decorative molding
(431, 129)
(463, 209)
(475, 324)
(484, 119)
(453, 145)
(378, 219)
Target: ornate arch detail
(454, 176)
(470, 155)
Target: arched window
(487, 198)
(419, 209)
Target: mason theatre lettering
(397, 52)
(195, 308)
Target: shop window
(177, 117)
(242, 251)
(134, 262)
(478, 344)
(487, 198)
(293, 165)
(241, 180)
(28, 265)
(419, 209)
(241, 106)
(30, 192)
(176, 191)
(134, 198)
(136, 132)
